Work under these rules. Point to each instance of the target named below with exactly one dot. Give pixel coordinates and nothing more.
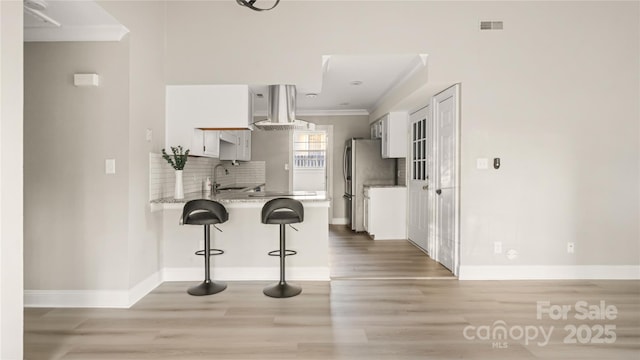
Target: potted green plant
(177, 161)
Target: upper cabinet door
(244, 145)
(210, 106)
(394, 134)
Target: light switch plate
(110, 166)
(482, 163)
(497, 247)
(149, 135)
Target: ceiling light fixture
(356, 83)
(311, 95)
(249, 4)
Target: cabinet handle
(425, 187)
(439, 191)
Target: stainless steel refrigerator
(363, 165)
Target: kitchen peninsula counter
(231, 198)
(245, 240)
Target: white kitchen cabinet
(212, 107)
(394, 134)
(386, 212)
(365, 218)
(211, 143)
(240, 149)
(205, 107)
(244, 145)
(205, 143)
(376, 130)
(229, 136)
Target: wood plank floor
(364, 318)
(356, 256)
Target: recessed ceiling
(57, 20)
(351, 84)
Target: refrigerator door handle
(344, 163)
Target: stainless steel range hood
(282, 111)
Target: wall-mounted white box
(86, 80)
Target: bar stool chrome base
(282, 290)
(207, 287)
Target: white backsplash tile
(195, 173)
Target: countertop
(384, 186)
(240, 197)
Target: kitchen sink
(232, 188)
(278, 194)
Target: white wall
(11, 189)
(75, 214)
(86, 230)
(145, 20)
(555, 95)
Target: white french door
(446, 182)
(420, 166)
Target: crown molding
(77, 33)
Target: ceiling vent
(491, 25)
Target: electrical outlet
(571, 247)
(497, 247)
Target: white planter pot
(179, 189)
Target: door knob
(425, 187)
(439, 191)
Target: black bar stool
(282, 211)
(207, 213)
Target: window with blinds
(309, 149)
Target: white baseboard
(126, 298)
(91, 298)
(144, 287)
(77, 298)
(541, 272)
(247, 274)
(339, 221)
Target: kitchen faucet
(215, 184)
